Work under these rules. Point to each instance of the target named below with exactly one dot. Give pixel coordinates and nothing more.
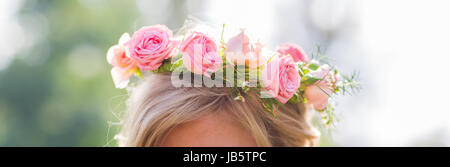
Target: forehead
(214, 129)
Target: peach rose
(281, 78)
(150, 45)
(318, 93)
(239, 50)
(200, 54)
(294, 51)
(123, 66)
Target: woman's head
(160, 114)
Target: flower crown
(287, 76)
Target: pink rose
(318, 93)
(149, 46)
(294, 51)
(281, 78)
(200, 54)
(123, 66)
(239, 50)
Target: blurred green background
(57, 89)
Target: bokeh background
(56, 89)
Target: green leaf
(139, 73)
(270, 59)
(177, 64)
(294, 99)
(308, 80)
(221, 35)
(313, 66)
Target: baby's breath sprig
(350, 84)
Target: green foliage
(176, 64)
(139, 73)
(313, 66)
(309, 80)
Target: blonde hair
(156, 107)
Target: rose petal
(121, 77)
(124, 38)
(317, 97)
(111, 53)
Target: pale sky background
(400, 48)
